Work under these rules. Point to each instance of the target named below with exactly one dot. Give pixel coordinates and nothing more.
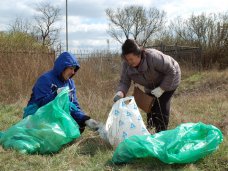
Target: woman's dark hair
(130, 46)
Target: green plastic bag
(187, 143)
(44, 132)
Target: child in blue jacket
(52, 82)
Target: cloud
(94, 44)
(184, 8)
(78, 24)
(82, 33)
(96, 9)
(91, 32)
(86, 9)
(10, 10)
(89, 44)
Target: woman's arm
(125, 80)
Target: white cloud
(76, 24)
(123, 3)
(185, 8)
(90, 43)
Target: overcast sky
(87, 22)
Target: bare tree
(46, 18)
(134, 22)
(20, 25)
(208, 31)
(201, 30)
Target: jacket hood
(65, 59)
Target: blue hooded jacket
(45, 88)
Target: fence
(184, 54)
(83, 55)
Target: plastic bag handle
(126, 99)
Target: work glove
(60, 89)
(92, 124)
(118, 96)
(157, 92)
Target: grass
(201, 97)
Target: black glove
(81, 122)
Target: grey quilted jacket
(155, 69)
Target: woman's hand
(157, 92)
(118, 96)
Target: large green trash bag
(44, 132)
(185, 144)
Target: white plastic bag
(124, 120)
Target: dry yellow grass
(19, 71)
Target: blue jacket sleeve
(43, 92)
(76, 112)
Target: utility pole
(66, 27)
(108, 45)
